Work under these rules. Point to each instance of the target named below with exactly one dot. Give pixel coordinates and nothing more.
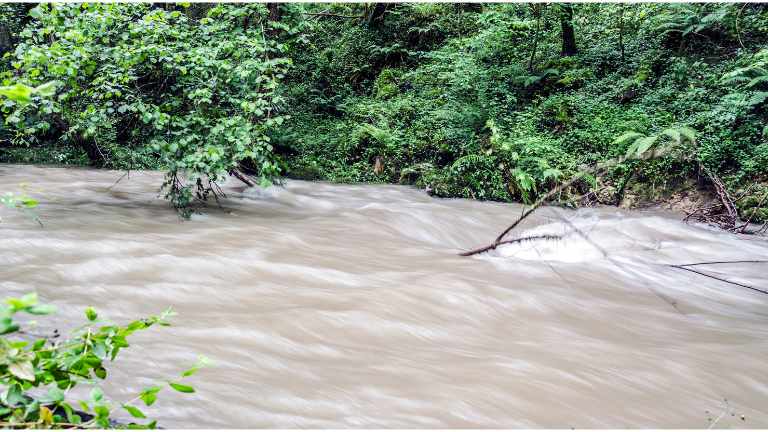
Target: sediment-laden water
(327, 305)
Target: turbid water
(327, 305)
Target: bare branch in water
(127, 173)
(718, 278)
(722, 262)
(527, 212)
(243, 177)
(519, 240)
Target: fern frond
(552, 173)
(673, 134)
(627, 137)
(757, 98)
(688, 133)
(639, 148)
(470, 159)
(762, 79)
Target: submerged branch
(519, 240)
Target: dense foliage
(491, 101)
(38, 373)
(483, 102)
(142, 86)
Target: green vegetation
(37, 373)
(483, 102)
(493, 101)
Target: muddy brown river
(346, 306)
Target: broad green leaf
(23, 370)
(55, 394)
(46, 90)
(17, 93)
(135, 412)
(41, 309)
(6, 328)
(181, 387)
(149, 395)
(96, 394)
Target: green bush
(37, 372)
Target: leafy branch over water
(38, 372)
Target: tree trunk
(469, 7)
(376, 14)
(274, 11)
(566, 24)
(536, 8)
(275, 14)
(621, 31)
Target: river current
(347, 306)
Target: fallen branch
(722, 214)
(242, 177)
(519, 240)
(718, 278)
(500, 239)
(327, 14)
(722, 262)
(749, 220)
(127, 173)
(538, 204)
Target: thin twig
(118, 180)
(749, 220)
(717, 278)
(331, 15)
(722, 262)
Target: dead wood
(519, 240)
(242, 177)
(722, 213)
(527, 212)
(718, 278)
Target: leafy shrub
(199, 93)
(37, 373)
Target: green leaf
(627, 137)
(55, 394)
(135, 412)
(181, 387)
(96, 394)
(149, 395)
(41, 309)
(201, 363)
(17, 93)
(23, 370)
(46, 90)
(29, 202)
(100, 372)
(672, 133)
(91, 314)
(6, 328)
(100, 349)
(643, 144)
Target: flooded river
(326, 305)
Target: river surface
(339, 306)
